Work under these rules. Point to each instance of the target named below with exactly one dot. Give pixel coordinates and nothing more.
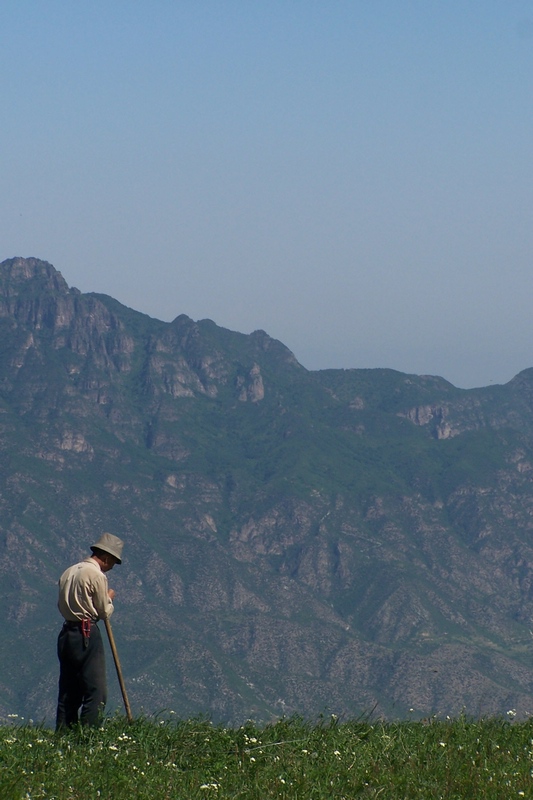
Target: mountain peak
(20, 271)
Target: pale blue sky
(356, 178)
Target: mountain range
(296, 542)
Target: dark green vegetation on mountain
(297, 541)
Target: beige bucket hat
(110, 544)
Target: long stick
(119, 669)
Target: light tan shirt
(83, 592)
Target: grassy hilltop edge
(289, 759)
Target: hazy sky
(354, 177)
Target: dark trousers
(82, 678)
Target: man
(84, 598)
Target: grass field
(166, 759)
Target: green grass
(191, 759)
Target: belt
(72, 625)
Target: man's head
(108, 551)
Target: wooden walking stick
(119, 669)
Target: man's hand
(111, 594)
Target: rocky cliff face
(295, 541)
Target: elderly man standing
(84, 598)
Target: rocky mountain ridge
(332, 541)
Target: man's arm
(103, 598)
